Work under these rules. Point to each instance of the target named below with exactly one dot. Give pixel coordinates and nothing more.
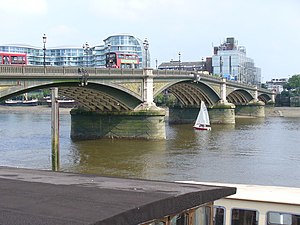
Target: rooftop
(46, 197)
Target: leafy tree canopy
(294, 83)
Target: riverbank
(282, 112)
(269, 111)
(32, 109)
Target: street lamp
(179, 60)
(86, 49)
(44, 48)
(221, 66)
(109, 46)
(146, 47)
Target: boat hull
(33, 102)
(202, 128)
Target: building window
(244, 217)
(157, 223)
(219, 215)
(181, 219)
(202, 216)
(278, 218)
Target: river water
(253, 151)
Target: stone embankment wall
(282, 111)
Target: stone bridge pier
(255, 108)
(132, 125)
(223, 112)
(146, 121)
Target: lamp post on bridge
(108, 58)
(44, 49)
(179, 60)
(146, 47)
(86, 49)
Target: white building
(230, 61)
(277, 84)
(94, 56)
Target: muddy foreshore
(269, 111)
(282, 112)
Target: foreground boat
(257, 205)
(33, 102)
(202, 121)
(38, 197)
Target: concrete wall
(183, 115)
(123, 125)
(295, 101)
(222, 116)
(250, 110)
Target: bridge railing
(13, 70)
(32, 70)
(185, 73)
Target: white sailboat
(202, 121)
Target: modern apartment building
(230, 61)
(93, 56)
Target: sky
(269, 29)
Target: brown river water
(253, 151)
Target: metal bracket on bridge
(84, 78)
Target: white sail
(202, 120)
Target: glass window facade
(219, 215)
(230, 61)
(244, 217)
(197, 216)
(127, 44)
(279, 218)
(77, 56)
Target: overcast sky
(269, 29)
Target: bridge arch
(192, 93)
(93, 97)
(99, 97)
(239, 97)
(264, 98)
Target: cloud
(61, 33)
(132, 10)
(21, 7)
(62, 29)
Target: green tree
(164, 99)
(294, 83)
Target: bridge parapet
(32, 76)
(237, 84)
(65, 71)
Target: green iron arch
(192, 93)
(264, 98)
(92, 97)
(239, 97)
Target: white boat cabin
(257, 205)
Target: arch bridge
(127, 91)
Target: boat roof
(263, 193)
(46, 197)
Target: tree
(294, 83)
